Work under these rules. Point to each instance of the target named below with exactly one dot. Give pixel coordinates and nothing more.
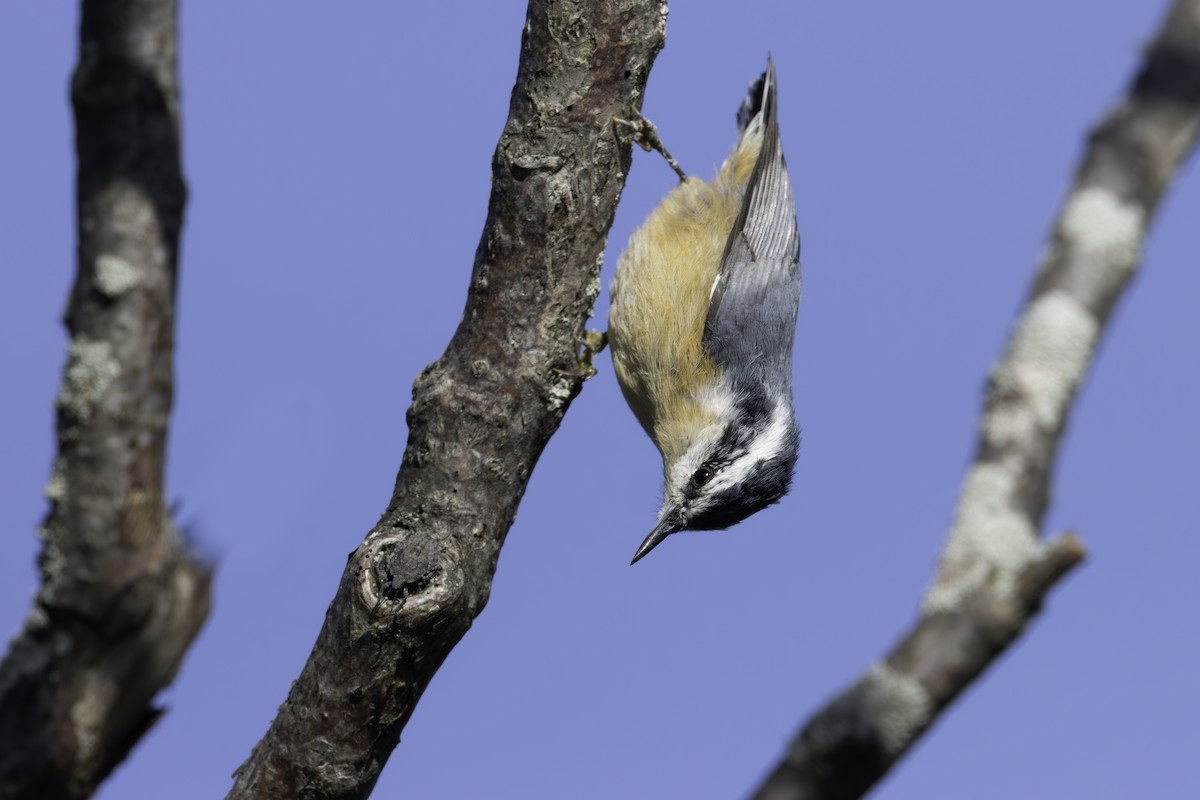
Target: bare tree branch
(121, 598)
(994, 572)
(482, 413)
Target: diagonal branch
(482, 413)
(121, 598)
(995, 571)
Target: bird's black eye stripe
(701, 476)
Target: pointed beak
(667, 525)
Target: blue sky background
(338, 158)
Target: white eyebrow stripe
(763, 447)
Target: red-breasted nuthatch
(701, 327)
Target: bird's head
(736, 463)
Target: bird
(701, 327)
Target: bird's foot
(645, 135)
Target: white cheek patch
(773, 440)
(769, 443)
(766, 445)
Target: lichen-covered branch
(482, 413)
(121, 598)
(995, 570)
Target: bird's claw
(593, 342)
(645, 135)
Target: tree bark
(995, 572)
(482, 413)
(121, 598)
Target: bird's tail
(753, 102)
(758, 109)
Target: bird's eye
(702, 476)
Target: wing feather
(752, 308)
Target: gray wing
(751, 322)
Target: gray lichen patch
(991, 534)
(90, 372)
(897, 705)
(90, 711)
(53, 563)
(115, 276)
(56, 487)
(1049, 354)
(559, 390)
(592, 290)
(1099, 223)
